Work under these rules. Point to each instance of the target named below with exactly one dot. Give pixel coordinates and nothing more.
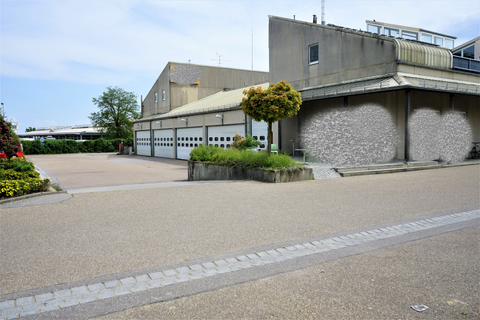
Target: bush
(204, 153)
(244, 143)
(18, 177)
(245, 158)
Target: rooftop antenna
(323, 12)
(219, 59)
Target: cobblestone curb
(50, 301)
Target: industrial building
(70, 132)
(193, 104)
(337, 68)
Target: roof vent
(314, 18)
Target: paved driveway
(76, 248)
(107, 169)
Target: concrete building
(194, 103)
(339, 68)
(70, 132)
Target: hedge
(72, 146)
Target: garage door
(260, 132)
(187, 139)
(222, 136)
(163, 143)
(143, 143)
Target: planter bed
(198, 171)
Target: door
(260, 133)
(187, 139)
(143, 143)
(163, 143)
(222, 136)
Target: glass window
(196, 144)
(222, 146)
(469, 52)
(200, 139)
(374, 29)
(255, 137)
(222, 139)
(228, 138)
(178, 144)
(426, 38)
(439, 41)
(313, 53)
(191, 145)
(449, 43)
(183, 139)
(163, 95)
(409, 35)
(209, 139)
(216, 138)
(392, 32)
(156, 97)
(262, 137)
(196, 139)
(191, 138)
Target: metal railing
(466, 64)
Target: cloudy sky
(56, 55)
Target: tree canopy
(30, 129)
(118, 109)
(278, 101)
(9, 142)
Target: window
(449, 43)
(426, 38)
(469, 52)
(409, 35)
(392, 32)
(439, 41)
(156, 97)
(313, 54)
(163, 95)
(374, 29)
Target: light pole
(3, 110)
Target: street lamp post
(3, 110)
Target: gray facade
(352, 68)
(184, 83)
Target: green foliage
(242, 143)
(18, 177)
(71, 146)
(279, 101)
(30, 129)
(9, 142)
(248, 159)
(118, 108)
(204, 153)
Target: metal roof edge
(386, 75)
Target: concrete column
(407, 115)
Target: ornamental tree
(118, 108)
(9, 142)
(278, 101)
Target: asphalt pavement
(93, 236)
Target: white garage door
(143, 143)
(187, 139)
(222, 136)
(260, 132)
(163, 143)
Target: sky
(57, 55)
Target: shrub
(204, 153)
(10, 188)
(71, 146)
(242, 143)
(9, 142)
(249, 159)
(17, 164)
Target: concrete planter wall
(201, 171)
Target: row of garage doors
(185, 139)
